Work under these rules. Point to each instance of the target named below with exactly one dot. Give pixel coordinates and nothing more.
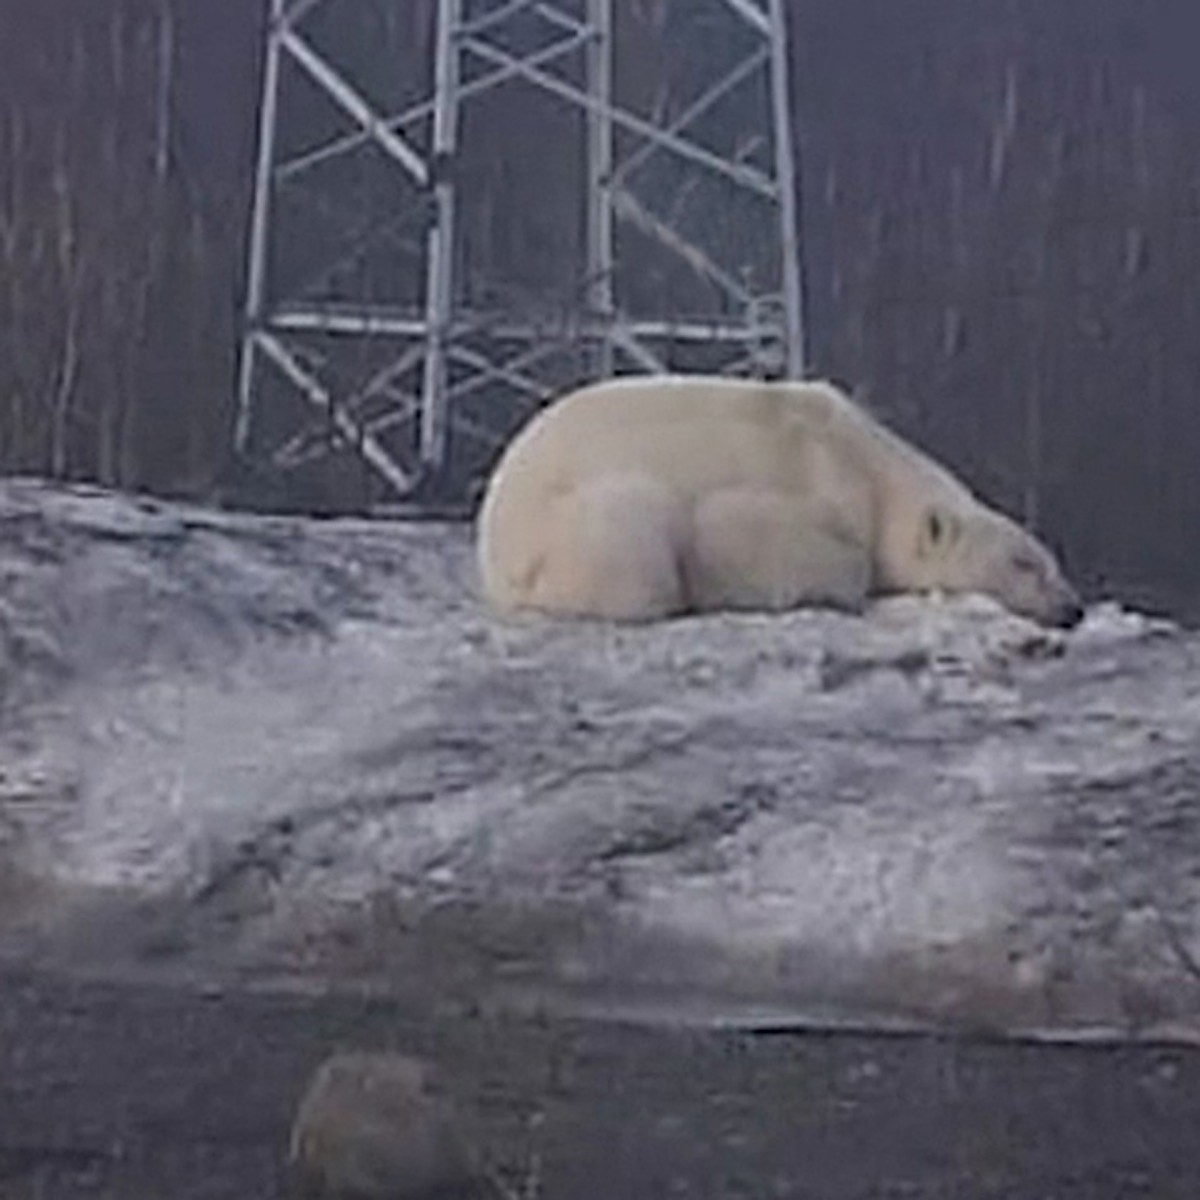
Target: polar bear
(646, 497)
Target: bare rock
(373, 1126)
(303, 748)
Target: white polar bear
(650, 496)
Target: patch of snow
(934, 809)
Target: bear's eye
(1027, 566)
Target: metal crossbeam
(373, 126)
(393, 364)
(356, 436)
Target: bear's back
(695, 432)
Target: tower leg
(791, 268)
(599, 198)
(440, 268)
(260, 216)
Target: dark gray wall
(1001, 201)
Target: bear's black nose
(1070, 615)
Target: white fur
(644, 497)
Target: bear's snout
(1070, 613)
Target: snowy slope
(305, 747)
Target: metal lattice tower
(383, 327)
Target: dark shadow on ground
(111, 1090)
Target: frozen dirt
(301, 750)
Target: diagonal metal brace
(340, 91)
(742, 175)
(371, 450)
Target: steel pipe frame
(434, 332)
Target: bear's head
(972, 548)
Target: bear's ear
(939, 531)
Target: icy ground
(301, 747)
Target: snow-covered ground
(932, 814)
